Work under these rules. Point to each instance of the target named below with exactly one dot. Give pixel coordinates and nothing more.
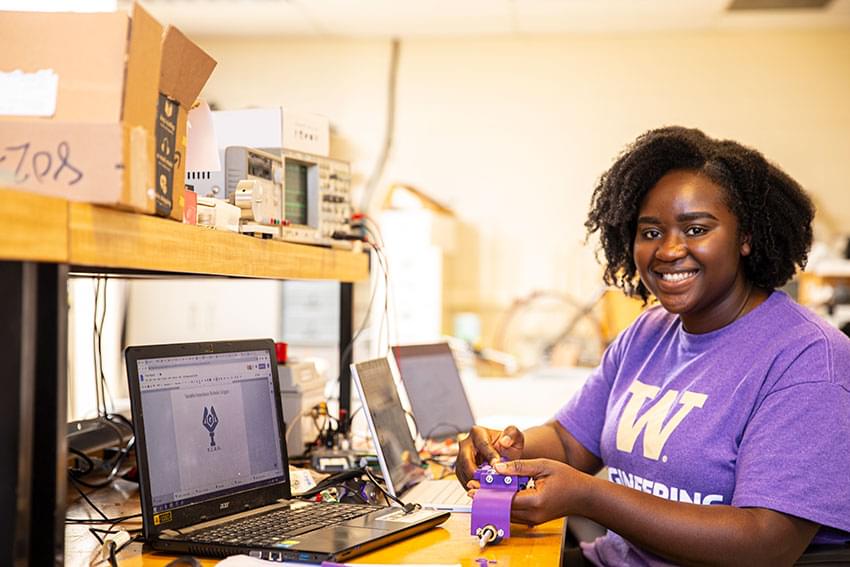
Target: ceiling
(434, 18)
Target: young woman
(722, 414)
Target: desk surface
(448, 543)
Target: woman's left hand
(558, 490)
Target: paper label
(28, 94)
(166, 152)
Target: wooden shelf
(34, 227)
(109, 238)
(54, 230)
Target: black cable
(95, 521)
(368, 219)
(326, 431)
(100, 411)
(383, 261)
(385, 314)
(367, 316)
(93, 532)
(122, 419)
(85, 458)
(408, 507)
(377, 247)
(87, 499)
(351, 417)
(110, 477)
(338, 479)
(108, 421)
(104, 386)
(370, 227)
(332, 480)
(101, 374)
(114, 549)
(136, 537)
(114, 465)
(113, 562)
(350, 344)
(122, 455)
(101, 392)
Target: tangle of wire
(376, 242)
(371, 229)
(339, 479)
(107, 417)
(101, 388)
(96, 532)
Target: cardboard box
(118, 132)
(183, 73)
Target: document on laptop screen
(210, 425)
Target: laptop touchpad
(335, 538)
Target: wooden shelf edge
(35, 227)
(39, 228)
(110, 238)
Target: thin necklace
(744, 305)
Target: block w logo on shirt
(655, 431)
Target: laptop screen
(433, 385)
(388, 421)
(210, 426)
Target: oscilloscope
(314, 193)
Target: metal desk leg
(346, 323)
(33, 354)
(50, 479)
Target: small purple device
(491, 506)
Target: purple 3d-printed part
(492, 508)
(491, 505)
(487, 477)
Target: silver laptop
(213, 470)
(437, 397)
(401, 466)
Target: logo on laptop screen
(210, 423)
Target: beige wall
(513, 133)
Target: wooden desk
(44, 240)
(447, 543)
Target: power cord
(112, 467)
(408, 507)
(111, 545)
(113, 541)
(344, 476)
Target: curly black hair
(770, 206)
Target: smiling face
(688, 251)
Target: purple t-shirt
(755, 414)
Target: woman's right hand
(484, 445)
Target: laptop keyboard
(447, 491)
(273, 527)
